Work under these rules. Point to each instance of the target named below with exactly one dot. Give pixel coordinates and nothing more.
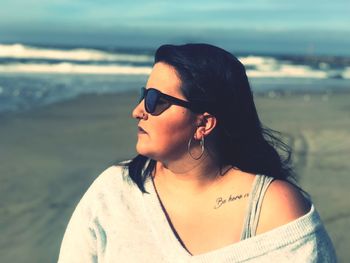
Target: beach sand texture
(50, 155)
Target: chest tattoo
(220, 201)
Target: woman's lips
(140, 130)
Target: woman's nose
(139, 111)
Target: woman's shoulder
(115, 178)
(112, 186)
(283, 203)
(116, 174)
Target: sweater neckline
(172, 248)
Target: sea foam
(70, 68)
(19, 58)
(78, 54)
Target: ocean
(32, 76)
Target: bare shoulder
(283, 203)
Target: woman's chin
(141, 149)
(149, 154)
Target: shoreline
(270, 93)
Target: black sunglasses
(156, 102)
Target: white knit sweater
(115, 222)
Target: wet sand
(50, 155)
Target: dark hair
(218, 79)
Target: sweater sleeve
(79, 241)
(85, 238)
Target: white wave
(346, 73)
(69, 68)
(269, 67)
(23, 51)
(290, 71)
(263, 68)
(257, 61)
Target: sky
(299, 26)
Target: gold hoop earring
(201, 143)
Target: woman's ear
(205, 124)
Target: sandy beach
(50, 155)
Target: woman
(208, 184)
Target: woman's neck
(191, 176)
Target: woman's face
(164, 137)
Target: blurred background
(70, 72)
(52, 43)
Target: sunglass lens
(162, 105)
(155, 104)
(151, 100)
